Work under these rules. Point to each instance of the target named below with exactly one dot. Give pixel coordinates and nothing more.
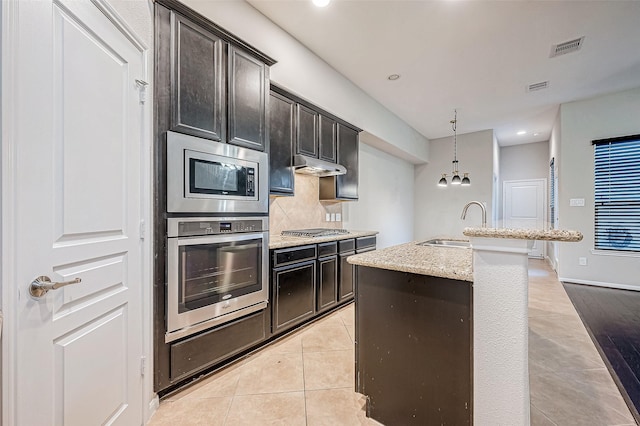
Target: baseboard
(550, 263)
(154, 404)
(600, 284)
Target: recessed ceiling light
(321, 3)
(393, 77)
(522, 132)
(536, 134)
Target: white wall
(554, 152)
(305, 74)
(497, 188)
(385, 193)
(580, 123)
(521, 162)
(437, 209)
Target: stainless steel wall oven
(217, 270)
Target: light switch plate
(576, 202)
(338, 217)
(328, 217)
(582, 261)
(333, 217)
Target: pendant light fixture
(455, 180)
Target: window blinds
(617, 194)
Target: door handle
(41, 286)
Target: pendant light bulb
(443, 180)
(455, 180)
(465, 180)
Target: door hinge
(143, 365)
(142, 90)
(142, 229)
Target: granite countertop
(525, 234)
(277, 241)
(446, 262)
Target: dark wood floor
(612, 318)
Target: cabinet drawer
(365, 242)
(206, 349)
(291, 255)
(346, 245)
(327, 249)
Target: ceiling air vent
(537, 86)
(566, 47)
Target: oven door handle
(225, 238)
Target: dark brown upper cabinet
(327, 138)
(218, 84)
(316, 134)
(247, 92)
(197, 76)
(343, 187)
(281, 141)
(307, 131)
(348, 141)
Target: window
(617, 194)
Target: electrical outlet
(576, 202)
(338, 217)
(582, 261)
(333, 217)
(328, 217)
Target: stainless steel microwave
(204, 176)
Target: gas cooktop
(313, 232)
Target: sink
(441, 242)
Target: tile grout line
(233, 397)
(304, 383)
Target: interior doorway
(524, 206)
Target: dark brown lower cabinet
(414, 347)
(346, 279)
(327, 282)
(309, 280)
(294, 294)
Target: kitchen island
(472, 344)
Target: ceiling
(475, 56)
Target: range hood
(317, 167)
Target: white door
(525, 207)
(76, 211)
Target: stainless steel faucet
(484, 212)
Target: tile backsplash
(303, 210)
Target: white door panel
(525, 207)
(78, 209)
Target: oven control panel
(240, 226)
(203, 226)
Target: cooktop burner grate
(314, 232)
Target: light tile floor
(307, 377)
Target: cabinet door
(347, 274)
(247, 100)
(327, 282)
(347, 185)
(327, 137)
(197, 76)
(307, 131)
(281, 131)
(294, 294)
